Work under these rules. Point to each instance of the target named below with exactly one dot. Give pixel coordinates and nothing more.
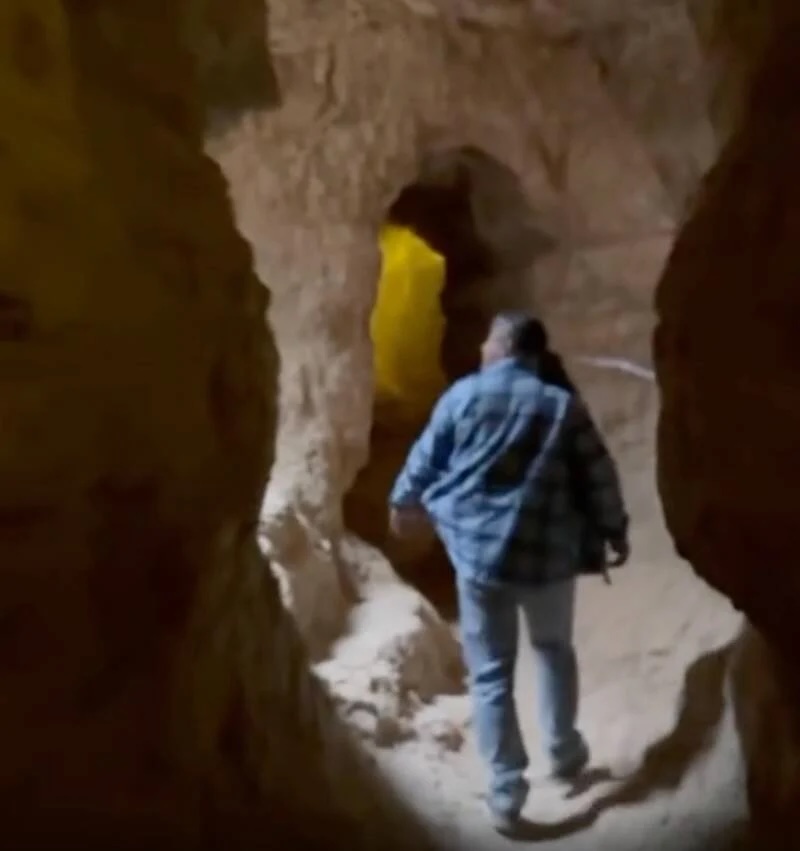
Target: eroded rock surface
(729, 438)
(729, 423)
(154, 690)
(764, 696)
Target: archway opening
(454, 212)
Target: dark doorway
(454, 207)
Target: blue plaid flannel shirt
(516, 479)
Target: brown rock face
(728, 440)
(152, 683)
(764, 694)
(729, 423)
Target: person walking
(522, 491)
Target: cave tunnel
(441, 209)
(183, 326)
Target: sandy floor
(666, 772)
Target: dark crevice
(441, 213)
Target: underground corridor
(240, 266)
(442, 281)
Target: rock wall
(763, 688)
(154, 689)
(729, 422)
(736, 243)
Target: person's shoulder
(454, 396)
(462, 388)
(466, 383)
(530, 384)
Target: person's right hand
(621, 549)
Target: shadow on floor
(734, 838)
(667, 761)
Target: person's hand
(409, 522)
(621, 549)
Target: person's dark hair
(553, 371)
(526, 336)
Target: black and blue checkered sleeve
(604, 497)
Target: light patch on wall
(407, 323)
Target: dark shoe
(572, 769)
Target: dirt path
(666, 772)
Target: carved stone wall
(154, 689)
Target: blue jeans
(490, 631)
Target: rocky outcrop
(154, 690)
(727, 355)
(737, 516)
(764, 697)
